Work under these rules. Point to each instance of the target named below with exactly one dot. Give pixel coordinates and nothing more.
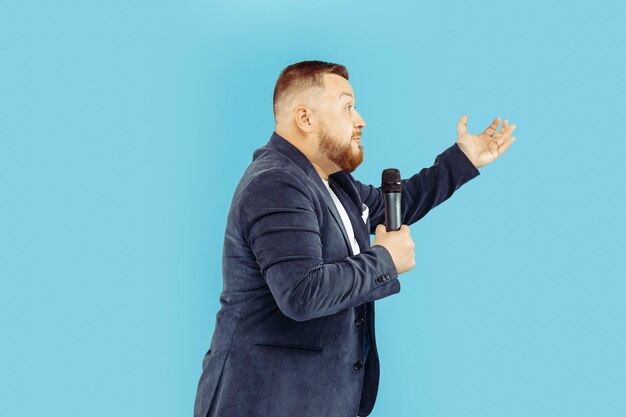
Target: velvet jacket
(297, 307)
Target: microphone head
(391, 181)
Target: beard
(343, 155)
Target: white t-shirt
(344, 218)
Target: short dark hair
(303, 75)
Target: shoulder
(272, 178)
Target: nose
(358, 121)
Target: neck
(321, 172)
(308, 147)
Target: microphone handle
(393, 215)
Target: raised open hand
(484, 148)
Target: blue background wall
(125, 126)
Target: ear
(304, 119)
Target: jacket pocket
(289, 348)
(365, 213)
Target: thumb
(461, 127)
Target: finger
(405, 228)
(504, 134)
(381, 228)
(506, 145)
(461, 127)
(505, 125)
(492, 129)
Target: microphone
(392, 190)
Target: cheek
(342, 125)
(348, 126)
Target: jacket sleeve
(283, 233)
(424, 190)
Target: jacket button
(359, 321)
(358, 365)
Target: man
(295, 332)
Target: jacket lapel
(283, 146)
(358, 225)
(335, 213)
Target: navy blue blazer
(295, 332)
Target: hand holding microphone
(395, 237)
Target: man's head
(314, 109)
